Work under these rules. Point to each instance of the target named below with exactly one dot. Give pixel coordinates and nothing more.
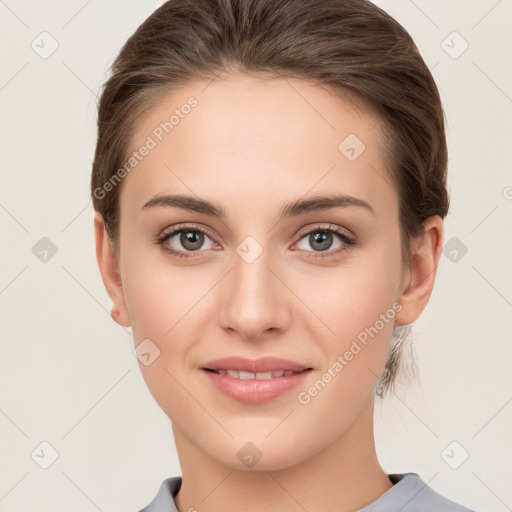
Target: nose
(254, 298)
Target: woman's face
(250, 284)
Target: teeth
(259, 375)
(263, 375)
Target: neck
(344, 476)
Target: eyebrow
(293, 209)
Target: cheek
(357, 303)
(352, 298)
(360, 312)
(148, 304)
(154, 299)
(160, 297)
(166, 306)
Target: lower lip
(255, 391)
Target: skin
(252, 145)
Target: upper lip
(263, 364)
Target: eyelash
(347, 240)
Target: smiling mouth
(255, 388)
(243, 375)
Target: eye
(188, 239)
(321, 239)
(184, 241)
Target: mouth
(255, 388)
(263, 365)
(244, 375)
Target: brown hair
(351, 47)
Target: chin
(260, 455)
(272, 463)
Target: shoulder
(164, 499)
(411, 494)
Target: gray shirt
(408, 494)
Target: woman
(270, 187)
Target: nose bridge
(254, 299)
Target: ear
(109, 268)
(418, 279)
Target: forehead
(260, 137)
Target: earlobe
(110, 274)
(419, 278)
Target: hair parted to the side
(350, 47)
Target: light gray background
(67, 372)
